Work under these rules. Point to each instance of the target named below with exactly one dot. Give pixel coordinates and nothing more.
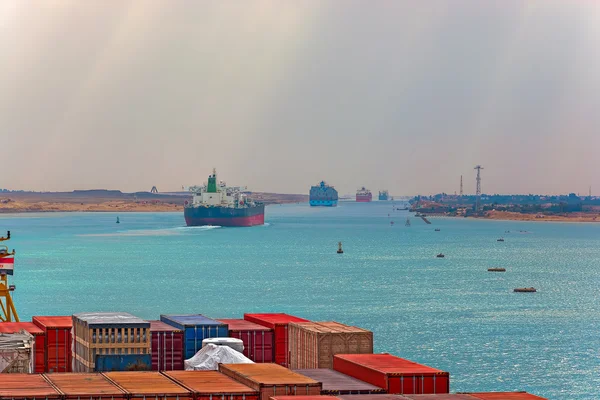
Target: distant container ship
(384, 195)
(219, 205)
(363, 195)
(323, 195)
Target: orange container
(209, 385)
(394, 374)
(506, 396)
(39, 339)
(272, 380)
(313, 344)
(446, 396)
(384, 396)
(148, 384)
(57, 354)
(85, 386)
(26, 386)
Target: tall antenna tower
(478, 190)
(461, 187)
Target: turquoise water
(448, 313)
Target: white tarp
(210, 356)
(16, 352)
(234, 343)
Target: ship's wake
(154, 232)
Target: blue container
(196, 328)
(125, 362)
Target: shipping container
(57, 354)
(107, 333)
(212, 385)
(78, 386)
(125, 362)
(304, 398)
(440, 396)
(313, 344)
(506, 396)
(372, 397)
(167, 347)
(142, 385)
(279, 323)
(39, 340)
(196, 328)
(394, 374)
(16, 352)
(272, 380)
(335, 383)
(258, 339)
(26, 387)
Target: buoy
(496, 269)
(118, 220)
(340, 251)
(525, 290)
(392, 223)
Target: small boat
(496, 269)
(525, 290)
(118, 220)
(437, 229)
(440, 255)
(500, 240)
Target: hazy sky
(277, 95)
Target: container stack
(114, 341)
(393, 374)
(258, 339)
(211, 385)
(313, 344)
(57, 352)
(196, 328)
(279, 323)
(167, 347)
(271, 380)
(39, 341)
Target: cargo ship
(383, 195)
(323, 195)
(363, 195)
(220, 205)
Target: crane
(8, 312)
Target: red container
(394, 374)
(271, 380)
(440, 396)
(383, 396)
(39, 339)
(78, 386)
(279, 324)
(304, 398)
(506, 396)
(26, 386)
(258, 339)
(212, 385)
(58, 342)
(167, 347)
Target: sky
(278, 95)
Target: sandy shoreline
(511, 216)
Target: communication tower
(478, 190)
(8, 313)
(461, 187)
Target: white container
(236, 344)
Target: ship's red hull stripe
(252, 220)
